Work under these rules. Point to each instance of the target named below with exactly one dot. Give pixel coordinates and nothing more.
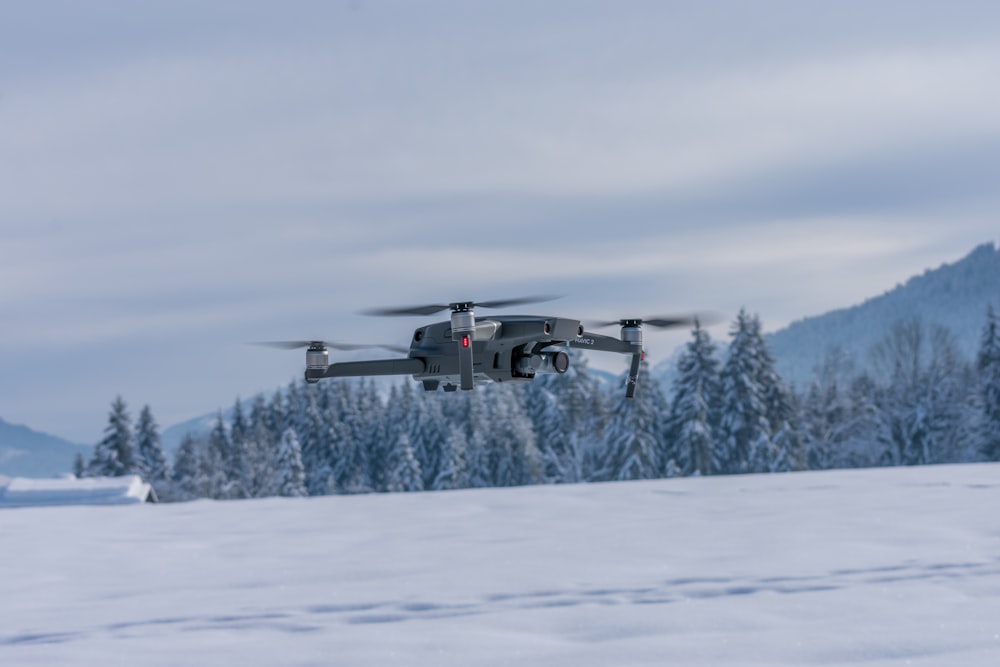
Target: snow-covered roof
(24, 492)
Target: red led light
(465, 341)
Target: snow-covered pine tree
(585, 410)
(261, 440)
(473, 416)
(151, 461)
(404, 469)
(555, 440)
(743, 423)
(114, 455)
(238, 472)
(921, 402)
(428, 433)
(453, 473)
(399, 418)
(187, 470)
(289, 475)
(313, 435)
(781, 450)
(512, 458)
(988, 364)
(695, 406)
(631, 440)
(215, 462)
(865, 432)
(210, 477)
(352, 468)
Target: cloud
(257, 174)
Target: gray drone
(465, 351)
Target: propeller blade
(671, 322)
(523, 301)
(431, 309)
(283, 344)
(346, 347)
(661, 322)
(406, 310)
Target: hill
(862, 567)
(953, 295)
(28, 453)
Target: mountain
(953, 295)
(28, 453)
(201, 426)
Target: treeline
(917, 402)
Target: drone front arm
(601, 343)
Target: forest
(916, 401)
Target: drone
(464, 351)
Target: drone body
(463, 351)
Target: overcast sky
(178, 178)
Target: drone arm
(600, 343)
(633, 375)
(376, 367)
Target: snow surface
(874, 567)
(24, 492)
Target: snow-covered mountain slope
(28, 453)
(874, 567)
(954, 295)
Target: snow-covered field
(876, 567)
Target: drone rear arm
(375, 367)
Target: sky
(180, 178)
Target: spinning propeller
(457, 306)
(665, 322)
(298, 344)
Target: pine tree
(238, 473)
(924, 391)
(585, 410)
(114, 455)
(555, 440)
(404, 470)
(475, 418)
(988, 364)
(780, 450)
(512, 459)
(79, 466)
(696, 397)
(743, 425)
(632, 440)
(151, 461)
(453, 473)
(261, 440)
(352, 470)
(826, 412)
(187, 469)
(290, 480)
(428, 434)
(214, 464)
